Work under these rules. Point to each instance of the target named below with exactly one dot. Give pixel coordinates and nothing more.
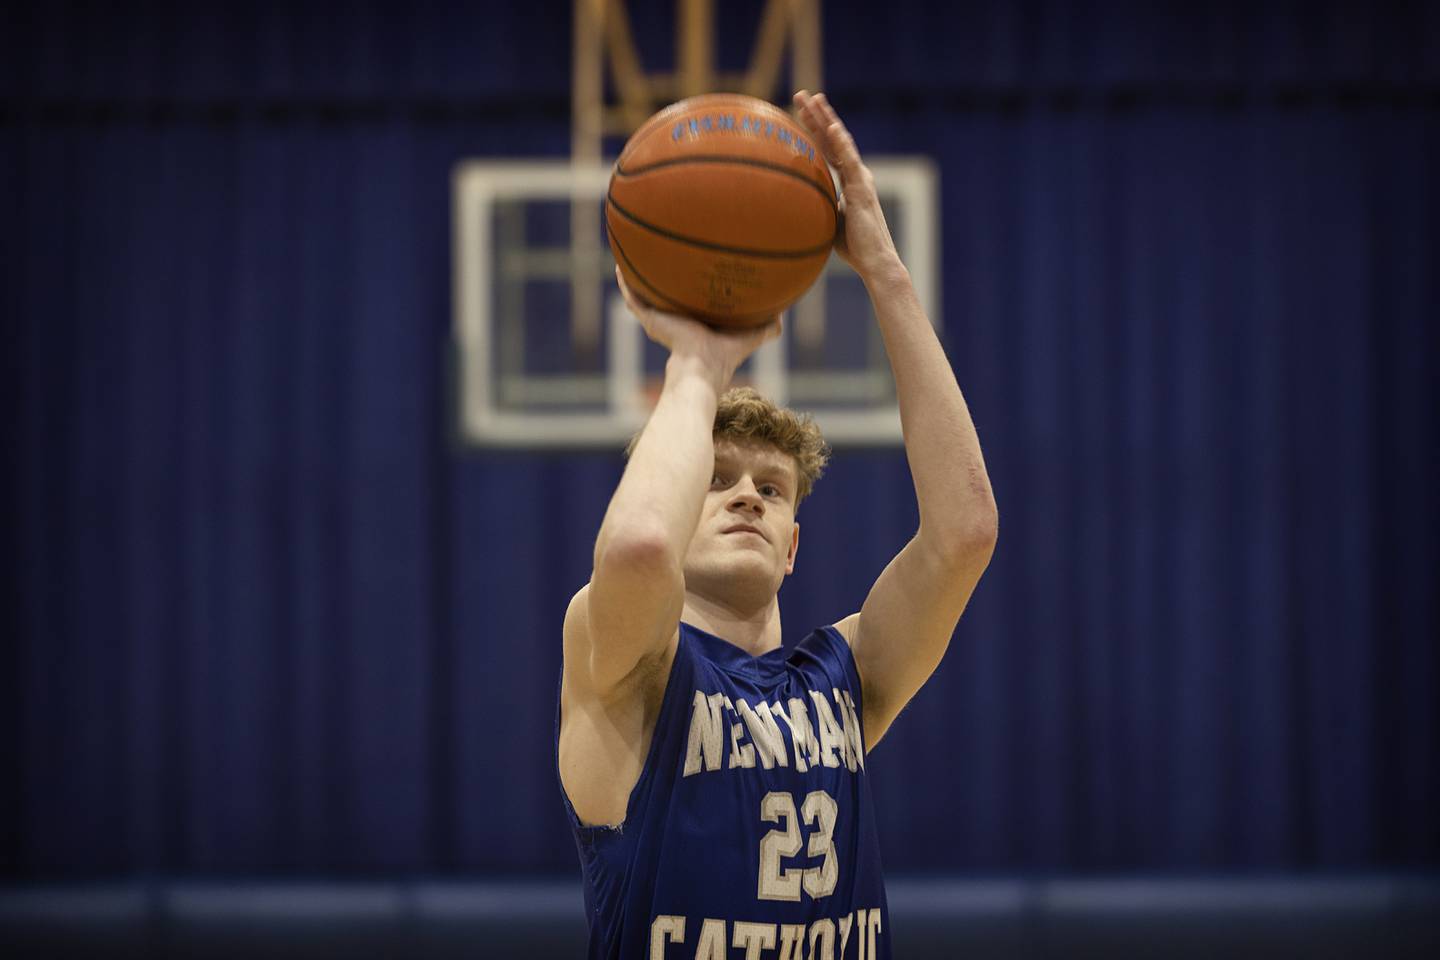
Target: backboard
(550, 357)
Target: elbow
(986, 525)
(976, 542)
(970, 540)
(636, 551)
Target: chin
(731, 568)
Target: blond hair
(745, 415)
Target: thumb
(769, 331)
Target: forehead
(757, 456)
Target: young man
(716, 784)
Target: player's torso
(750, 831)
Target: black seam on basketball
(743, 161)
(721, 248)
(615, 242)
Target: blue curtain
(267, 615)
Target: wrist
(884, 275)
(690, 369)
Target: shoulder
(848, 628)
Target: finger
(832, 130)
(820, 119)
(847, 154)
(841, 153)
(821, 114)
(801, 99)
(771, 330)
(809, 118)
(824, 109)
(631, 301)
(625, 290)
(749, 339)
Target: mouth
(744, 528)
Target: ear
(794, 548)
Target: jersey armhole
(847, 656)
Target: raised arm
(631, 607)
(905, 624)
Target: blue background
(267, 615)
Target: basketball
(721, 208)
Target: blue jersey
(750, 832)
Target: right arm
(631, 607)
(633, 601)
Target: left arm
(905, 623)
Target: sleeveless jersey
(750, 833)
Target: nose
(745, 496)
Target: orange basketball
(721, 208)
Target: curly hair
(745, 415)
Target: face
(747, 537)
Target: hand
(720, 351)
(864, 239)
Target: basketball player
(716, 783)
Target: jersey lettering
(665, 929)
(834, 749)
(754, 735)
(793, 941)
(712, 940)
(764, 733)
(706, 722)
(851, 721)
(754, 937)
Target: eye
(770, 490)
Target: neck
(755, 631)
